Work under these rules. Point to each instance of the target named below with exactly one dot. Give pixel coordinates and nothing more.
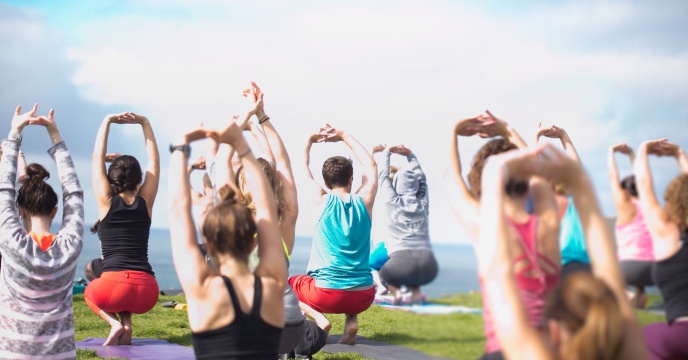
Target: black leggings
(637, 273)
(410, 268)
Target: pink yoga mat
(144, 349)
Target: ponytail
(229, 226)
(35, 196)
(589, 311)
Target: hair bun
(36, 172)
(227, 195)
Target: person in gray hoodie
(411, 261)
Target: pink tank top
(633, 240)
(532, 289)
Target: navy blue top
(247, 337)
(123, 234)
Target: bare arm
(464, 204)
(192, 269)
(317, 188)
(500, 127)
(621, 200)
(149, 189)
(99, 180)
(561, 134)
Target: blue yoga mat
(144, 349)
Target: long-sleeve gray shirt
(407, 204)
(36, 316)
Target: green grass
(456, 336)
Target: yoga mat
(376, 350)
(434, 309)
(144, 349)
(388, 299)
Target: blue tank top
(572, 237)
(341, 245)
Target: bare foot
(350, 330)
(115, 334)
(417, 298)
(323, 323)
(316, 316)
(125, 339)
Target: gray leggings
(410, 268)
(637, 273)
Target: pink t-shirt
(633, 240)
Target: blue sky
(389, 72)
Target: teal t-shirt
(341, 245)
(572, 237)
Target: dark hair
(676, 197)
(35, 195)
(493, 147)
(275, 181)
(123, 174)
(628, 183)
(587, 308)
(229, 226)
(337, 171)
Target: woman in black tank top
(127, 284)
(232, 312)
(669, 229)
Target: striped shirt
(36, 317)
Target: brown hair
(676, 197)
(492, 147)
(123, 174)
(275, 181)
(229, 226)
(587, 308)
(337, 171)
(35, 196)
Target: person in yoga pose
(536, 246)
(300, 337)
(574, 254)
(127, 284)
(668, 228)
(338, 279)
(587, 315)
(411, 260)
(633, 239)
(38, 267)
(233, 312)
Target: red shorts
(331, 301)
(122, 291)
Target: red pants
(122, 291)
(331, 301)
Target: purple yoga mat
(144, 349)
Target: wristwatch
(186, 149)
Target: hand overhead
(401, 150)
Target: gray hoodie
(406, 201)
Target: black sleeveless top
(670, 277)
(123, 234)
(247, 337)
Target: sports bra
(247, 337)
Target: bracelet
(244, 153)
(266, 118)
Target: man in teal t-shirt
(339, 280)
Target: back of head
(229, 227)
(35, 196)
(676, 198)
(124, 174)
(628, 184)
(492, 147)
(337, 171)
(275, 181)
(587, 308)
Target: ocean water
(457, 263)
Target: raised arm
(561, 134)
(192, 269)
(9, 216)
(318, 190)
(677, 152)
(149, 189)
(270, 251)
(99, 180)
(381, 155)
(499, 127)
(422, 194)
(72, 194)
(621, 199)
(665, 233)
(369, 191)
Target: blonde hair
(676, 197)
(275, 181)
(587, 308)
